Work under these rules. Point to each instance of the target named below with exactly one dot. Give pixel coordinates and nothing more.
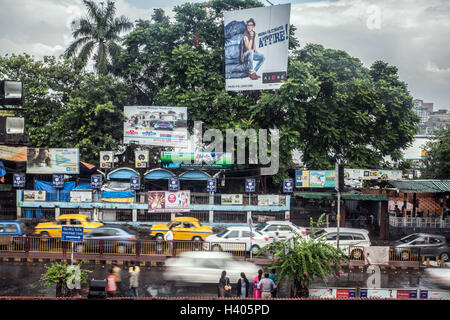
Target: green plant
(61, 273)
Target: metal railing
(396, 254)
(419, 222)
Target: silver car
(428, 245)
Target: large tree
(100, 31)
(437, 160)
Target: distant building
(430, 120)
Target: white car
(207, 267)
(233, 239)
(350, 239)
(285, 229)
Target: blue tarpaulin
(52, 193)
(83, 185)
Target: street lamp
(11, 93)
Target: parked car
(229, 239)
(350, 239)
(285, 229)
(54, 229)
(206, 267)
(184, 228)
(428, 245)
(9, 231)
(109, 238)
(163, 125)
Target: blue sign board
(19, 180)
(135, 183)
(69, 233)
(58, 181)
(250, 185)
(211, 185)
(288, 185)
(96, 181)
(174, 184)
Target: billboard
(194, 160)
(106, 159)
(81, 196)
(156, 126)
(230, 199)
(141, 158)
(169, 201)
(256, 48)
(271, 200)
(52, 161)
(34, 195)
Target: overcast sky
(410, 34)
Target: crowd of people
(115, 286)
(263, 285)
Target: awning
(16, 154)
(122, 173)
(344, 196)
(158, 174)
(314, 195)
(421, 186)
(194, 175)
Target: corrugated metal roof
(421, 186)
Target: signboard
(19, 180)
(96, 181)
(141, 159)
(58, 181)
(52, 161)
(288, 186)
(211, 185)
(377, 293)
(174, 184)
(167, 201)
(231, 199)
(155, 125)
(34, 195)
(256, 48)
(196, 160)
(81, 196)
(322, 293)
(268, 200)
(302, 178)
(345, 293)
(249, 185)
(106, 159)
(370, 174)
(69, 233)
(434, 294)
(135, 183)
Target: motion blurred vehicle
(233, 238)
(10, 230)
(285, 229)
(350, 239)
(206, 267)
(163, 125)
(184, 228)
(428, 245)
(438, 276)
(109, 238)
(54, 229)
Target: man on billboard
(249, 50)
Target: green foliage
(437, 161)
(59, 273)
(301, 261)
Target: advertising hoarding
(52, 161)
(230, 199)
(141, 158)
(256, 47)
(167, 201)
(193, 160)
(156, 126)
(81, 196)
(34, 195)
(106, 159)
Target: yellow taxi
(54, 228)
(184, 228)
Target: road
(22, 279)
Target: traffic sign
(174, 184)
(19, 180)
(211, 185)
(70, 233)
(288, 186)
(96, 181)
(58, 181)
(135, 183)
(249, 185)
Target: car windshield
(222, 233)
(260, 227)
(409, 238)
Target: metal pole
(71, 256)
(338, 218)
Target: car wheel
(444, 256)
(197, 245)
(255, 249)
(159, 236)
(356, 254)
(45, 235)
(404, 255)
(216, 247)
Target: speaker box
(11, 93)
(97, 289)
(12, 130)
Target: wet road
(22, 279)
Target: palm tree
(100, 30)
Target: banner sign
(250, 185)
(196, 160)
(288, 186)
(34, 195)
(231, 199)
(174, 184)
(135, 183)
(345, 293)
(433, 294)
(141, 159)
(211, 185)
(155, 125)
(256, 47)
(81, 196)
(106, 159)
(58, 181)
(19, 180)
(167, 201)
(52, 161)
(322, 179)
(271, 200)
(96, 181)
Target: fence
(419, 222)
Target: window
(176, 224)
(332, 236)
(222, 233)
(61, 222)
(261, 226)
(98, 233)
(188, 225)
(272, 228)
(419, 241)
(344, 237)
(111, 232)
(245, 234)
(75, 222)
(358, 236)
(435, 241)
(2, 228)
(11, 228)
(233, 234)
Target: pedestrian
(266, 285)
(111, 284)
(133, 273)
(117, 272)
(169, 237)
(256, 290)
(242, 286)
(224, 286)
(277, 236)
(273, 275)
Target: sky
(409, 34)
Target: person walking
(273, 275)
(256, 280)
(242, 286)
(134, 272)
(224, 286)
(111, 284)
(117, 272)
(266, 285)
(169, 237)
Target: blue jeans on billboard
(251, 56)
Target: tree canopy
(437, 160)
